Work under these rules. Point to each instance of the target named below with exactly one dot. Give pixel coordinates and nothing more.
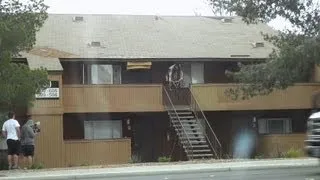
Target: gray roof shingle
(36, 62)
(142, 36)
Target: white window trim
(89, 74)
(91, 136)
(287, 129)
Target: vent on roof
(226, 20)
(258, 44)
(78, 18)
(95, 44)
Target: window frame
(114, 67)
(92, 124)
(286, 129)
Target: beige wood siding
(211, 97)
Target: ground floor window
(93, 126)
(275, 126)
(104, 129)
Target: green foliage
(84, 164)
(296, 51)
(4, 164)
(135, 159)
(19, 22)
(293, 153)
(164, 159)
(19, 84)
(260, 156)
(37, 166)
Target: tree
(19, 23)
(296, 50)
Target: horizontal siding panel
(273, 145)
(211, 97)
(49, 142)
(97, 152)
(112, 98)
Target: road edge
(167, 171)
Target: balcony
(112, 98)
(211, 97)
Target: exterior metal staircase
(191, 126)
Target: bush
(37, 166)
(164, 159)
(84, 164)
(135, 159)
(4, 165)
(293, 153)
(261, 156)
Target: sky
(139, 7)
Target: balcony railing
(211, 97)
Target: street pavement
(311, 173)
(302, 169)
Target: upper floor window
(104, 74)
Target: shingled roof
(145, 36)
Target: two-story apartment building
(108, 102)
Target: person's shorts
(27, 150)
(13, 147)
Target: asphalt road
(312, 173)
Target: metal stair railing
(205, 126)
(183, 136)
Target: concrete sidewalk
(87, 173)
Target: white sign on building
(50, 93)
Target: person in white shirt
(11, 131)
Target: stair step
(193, 142)
(185, 121)
(201, 150)
(179, 108)
(199, 146)
(194, 134)
(186, 128)
(188, 125)
(180, 113)
(183, 117)
(185, 125)
(202, 155)
(202, 137)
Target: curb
(167, 171)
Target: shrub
(164, 159)
(37, 166)
(293, 153)
(135, 159)
(84, 164)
